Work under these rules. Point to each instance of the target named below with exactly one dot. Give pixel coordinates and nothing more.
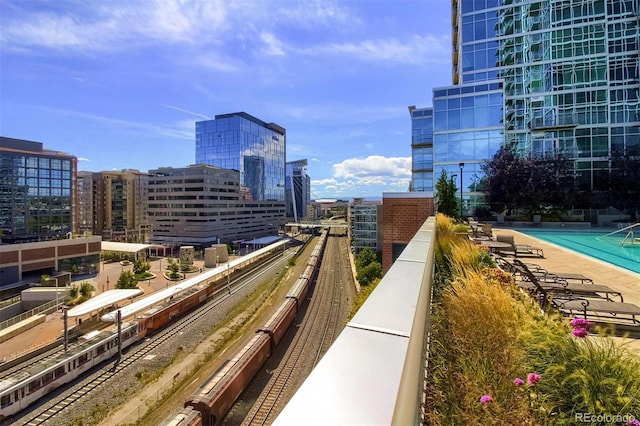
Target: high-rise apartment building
(256, 149)
(364, 225)
(113, 204)
(37, 190)
(201, 205)
(297, 190)
(545, 77)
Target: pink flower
(518, 381)
(485, 399)
(533, 379)
(580, 332)
(580, 323)
(633, 422)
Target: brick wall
(401, 219)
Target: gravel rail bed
(94, 407)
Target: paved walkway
(105, 280)
(559, 259)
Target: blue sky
(120, 84)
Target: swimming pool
(593, 244)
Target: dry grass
(478, 327)
(486, 333)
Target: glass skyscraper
(297, 189)
(239, 141)
(550, 76)
(36, 192)
(421, 149)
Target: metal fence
(45, 308)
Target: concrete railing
(374, 374)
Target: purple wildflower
(580, 332)
(533, 379)
(633, 422)
(485, 399)
(580, 323)
(518, 381)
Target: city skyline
(120, 85)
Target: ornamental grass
(496, 359)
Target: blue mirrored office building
(239, 141)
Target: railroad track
(136, 352)
(332, 324)
(321, 310)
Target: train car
(309, 273)
(279, 323)
(299, 291)
(20, 389)
(159, 316)
(185, 417)
(216, 396)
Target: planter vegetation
(497, 359)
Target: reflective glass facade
(364, 227)
(297, 189)
(568, 75)
(467, 130)
(239, 141)
(421, 149)
(36, 191)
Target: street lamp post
(461, 167)
(228, 277)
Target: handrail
(45, 308)
(622, 229)
(7, 302)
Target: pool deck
(559, 259)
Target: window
(34, 385)
(5, 400)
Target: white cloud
(318, 13)
(373, 166)
(427, 49)
(374, 175)
(210, 26)
(272, 46)
(117, 26)
(181, 130)
(197, 114)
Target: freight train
(22, 388)
(212, 400)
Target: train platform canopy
(125, 247)
(102, 301)
(263, 240)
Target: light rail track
(64, 399)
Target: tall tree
(624, 186)
(446, 195)
(534, 185)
